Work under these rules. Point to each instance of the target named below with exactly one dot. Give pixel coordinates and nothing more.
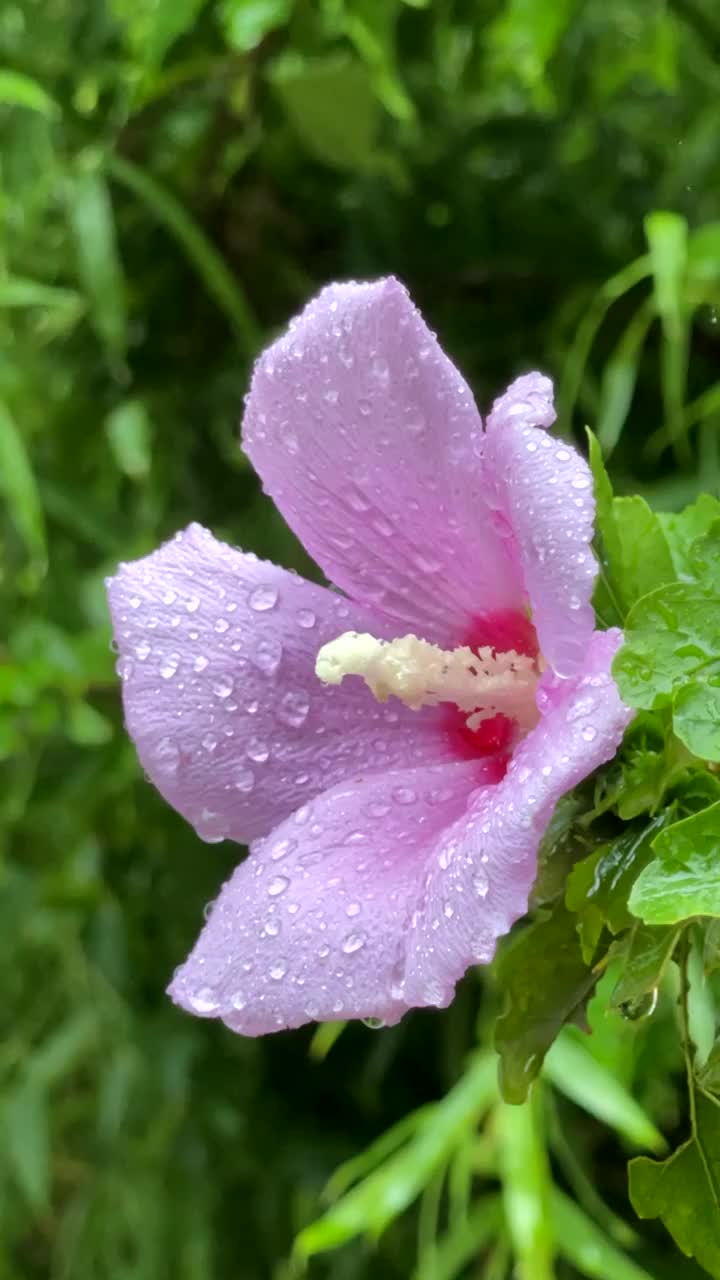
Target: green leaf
(19, 490)
(684, 1190)
(585, 1246)
(598, 887)
(633, 550)
(386, 1192)
(86, 726)
(525, 1174)
(92, 223)
(19, 291)
(573, 1070)
(245, 23)
(683, 879)
(464, 1241)
(696, 717)
(545, 980)
(27, 1140)
(332, 107)
(708, 1077)
(645, 953)
(152, 27)
(128, 431)
(667, 235)
(619, 377)
(671, 636)
(211, 267)
(683, 528)
(18, 90)
(704, 556)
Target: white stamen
(484, 682)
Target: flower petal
(544, 492)
(217, 655)
(313, 924)
(368, 440)
(484, 868)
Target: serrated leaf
(684, 1190)
(684, 527)
(671, 636)
(696, 717)
(598, 887)
(545, 980)
(704, 557)
(683, 880)
(645, 953)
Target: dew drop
(200, 663)
(278, 971)
(169, 666)
(306, 619)
(293, 709)
(203, 1001)
(353, 909)
(373, 1024)
(167, 756)
(277, 886)
(257, 750)
(223, 688)
(244, 781)
(354, 942)
(142, 651)
(262, 599)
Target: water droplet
(306, 619)
(223, 687)
(222, 625)
(581, 481)
(200, 663)
(192, 604)
(267, 656)
(203, 1001)
(169, 596)
(481, 884)
(278, 971)
(373, 1024)
(272, 927)
(209, 741)
(169, 666)
(448, 911)
(244, 781)
(238, 1001)
(257, 750)
(404, 795)
(354, 942)
(589, 733)
(353, 909)
(142, 651)
(277, 886)
(282, 848)
(293, 709)
(167, 756)
(262, 599)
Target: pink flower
(391, 846)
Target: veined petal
(544, 493)
(482, 870)
(313, 924)
(217, 655)
(368, 439)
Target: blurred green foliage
(176, 178)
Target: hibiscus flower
(392, 749)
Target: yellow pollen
(483, 682)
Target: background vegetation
(177, 177)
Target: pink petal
(313, 925)
(217, 654)
(368, 440)
(481, 873)
(544, 493)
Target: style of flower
(394, 801)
